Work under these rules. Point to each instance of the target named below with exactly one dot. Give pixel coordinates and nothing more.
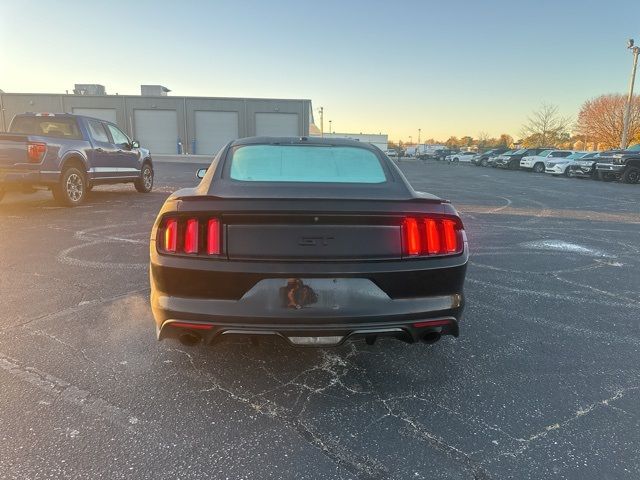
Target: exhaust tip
(189, 339)
(430, 337)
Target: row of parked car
(609, 165)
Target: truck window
(46, 126)
(119, 138)
(96, 129)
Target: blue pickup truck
(69, 154)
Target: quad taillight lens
(191, 236)
(431, 236)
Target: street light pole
(627, 111)
(419, 132)
(322, 121)
(330, 131)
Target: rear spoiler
(205, 198)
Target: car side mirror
(135, 144)
(201, 173)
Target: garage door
(156, 130)
(277, 124)
(214, 130)
(108, 114)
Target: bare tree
(545, 127)
(601, 119)
(483, 140)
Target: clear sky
(447, 67)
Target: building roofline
(181, 97)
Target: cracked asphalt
(544, 381)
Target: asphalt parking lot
(544, 381)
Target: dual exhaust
(191, 340)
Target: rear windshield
(305, 163)
(47, 126)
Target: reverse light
(36, 151)
(431, 236)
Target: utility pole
(322, 121)
(627, 111)
(410, 140)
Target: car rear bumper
(341, 304)
(213, 319)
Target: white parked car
(537, 162)
(391, 153)
(460, 157)
(560, 166)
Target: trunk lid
(313, 237)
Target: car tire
(538, 167)
(72, 189)
(631, 175)
(515, 165)
(145, 183)
(483, 162)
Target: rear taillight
(431, 236)
(412, 242)
(36, 151)
(213, 237)
(170, 235)
(191, 236)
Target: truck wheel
(631, 175)
(145, 183)
(72, 189)
(538, 167)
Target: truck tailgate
(13, 149)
